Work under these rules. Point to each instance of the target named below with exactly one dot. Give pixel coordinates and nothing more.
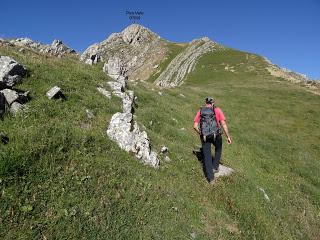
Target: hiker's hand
(229, 140)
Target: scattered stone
(182, 129)
(104, 92)
(22, 50)
(10, 95)
(160, 93)
(223, 171)
(17, 107)
(164, 150)
(55, 93)
(90, 114)
(266, 197)
(182, 95)
(167, 159)
(175, 209)
(175, 120)
(11, 72)
(151, 123)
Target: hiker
(207, 123)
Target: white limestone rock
(223, 171)
(11, 72)
(10, 95)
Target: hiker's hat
(209, 100)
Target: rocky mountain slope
(57, 48)
(138, 49)
(69, 169)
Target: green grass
(59, 180)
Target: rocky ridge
(138, 48)
(57, 47)
(123, 127)
(294, 77)
(185, 62)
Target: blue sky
(287, 32)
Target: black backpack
(208, 123)
(2, 105)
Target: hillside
(61, 177)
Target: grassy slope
(61, 181)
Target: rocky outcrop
(124, 130)
(136, 47)
(274, 70)
(57, 48)
(115, 68)
(185, 62)
(11, 72)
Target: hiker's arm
(196, 127)
(225, 129)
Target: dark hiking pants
(209, 162)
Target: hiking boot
(216, 170)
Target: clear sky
(285, 31)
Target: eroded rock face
(138, 49)
(185, 62)
(11, 72)
(115, 68)
(57, 48)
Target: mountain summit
(138, 48)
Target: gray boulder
(55, 93)
(17, 107)
(11, 72)
(10, 95)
